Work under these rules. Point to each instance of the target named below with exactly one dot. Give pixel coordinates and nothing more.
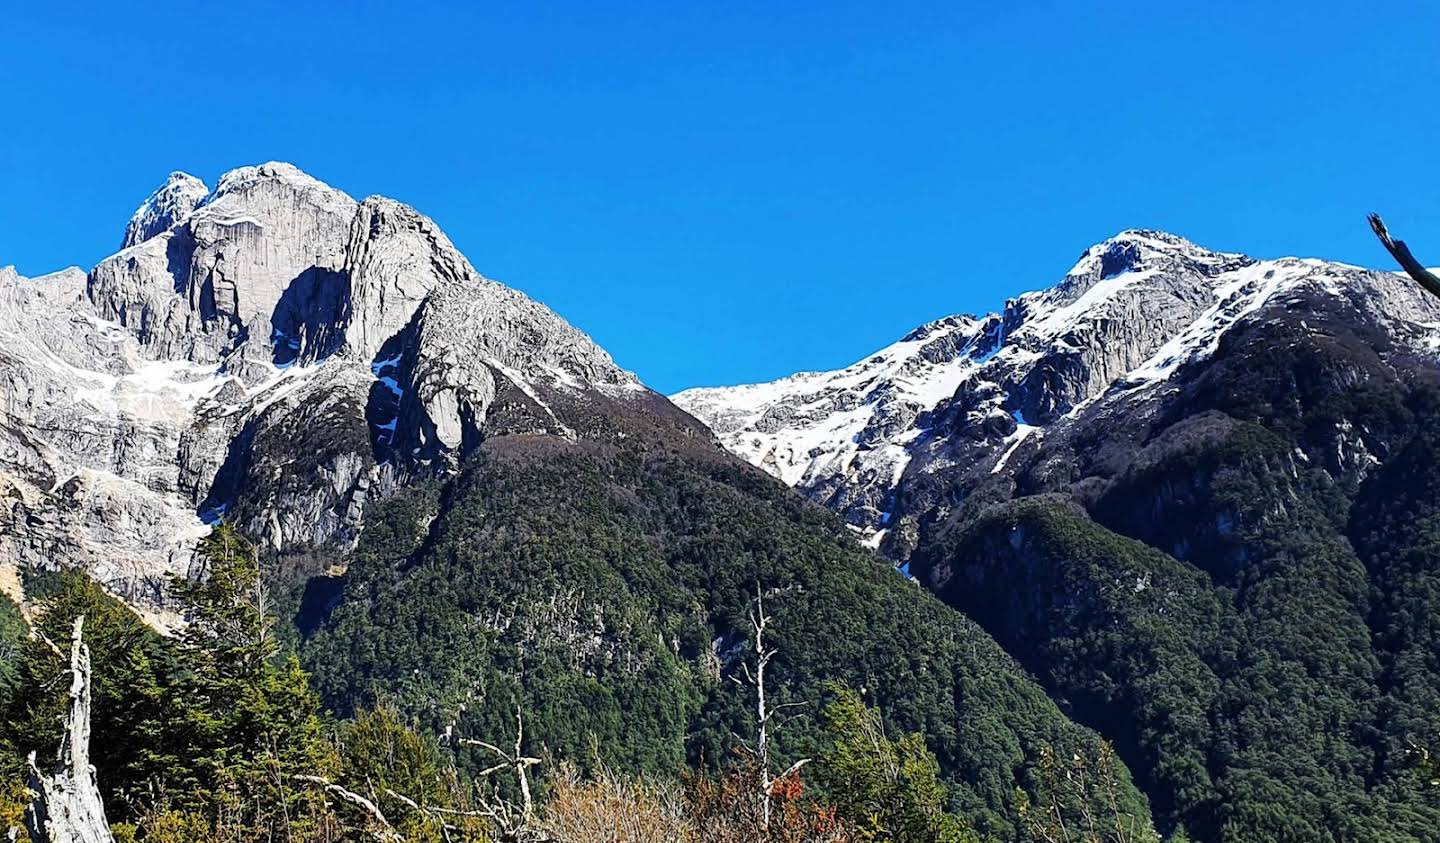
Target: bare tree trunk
(511, 822)
(1398, 250)
(65, 806)
(759, 623)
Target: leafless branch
(512, 821)
(790, 771)
(385, 831)
(1402, 255)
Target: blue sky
(728, 192)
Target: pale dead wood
(65, 805)
(511, 821)
(386, 831)
(764, 712)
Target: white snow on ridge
(1240, 295)
(1014, 440)
(1055, 320)
(810, 423)
(1133, 310)
(1147, 243)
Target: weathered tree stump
(65, 804)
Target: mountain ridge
(460, 503)
(1132, 309)
(1153, 502)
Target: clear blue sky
(727, 192)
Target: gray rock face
(271, 352)
(970, 397)
(211, 288)
(167, 207)
(90, 429)
(395, 258)
(474, 336)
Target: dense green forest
(216, 735)
(1247, 605)
(607, 592)
(602, 608)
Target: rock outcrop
(164, 209)
(230, 280)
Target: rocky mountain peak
(211, 287)
(1139, 249)
(169, 205)
(960, 322)
(238, 179)
(271, 352)
(967, 395)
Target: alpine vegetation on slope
(1188, 499)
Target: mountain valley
(1181, 503)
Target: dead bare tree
(508, 821)
(512, 822)
(764, 713)
(1397, 249)
(65, 804)
(381, 828)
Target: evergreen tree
(134, 684)
(398, 769)
(253, 723)
(889, 790)
(12, 638)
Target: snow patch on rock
(242, 332)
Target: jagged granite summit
(272, 351)
(886, 441)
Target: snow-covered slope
(830, 433)
(273, 352)
(967, 393)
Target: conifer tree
(249, 712)
(889, 790)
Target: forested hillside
(1243, 599)
(607, 590)
(216, 734)
(1189, 490)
